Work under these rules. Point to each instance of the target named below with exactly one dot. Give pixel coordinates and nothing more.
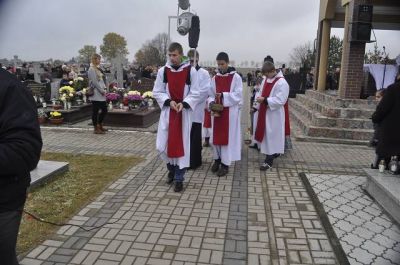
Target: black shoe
(253, 146)
(178, 187)
(215, 166)
(222, 171)
(265, 166)
(170, 178)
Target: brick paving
(247, 217)
(366, 233)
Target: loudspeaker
(362, 25)
(361, 32)
(194, 32)
(364, 13)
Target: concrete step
(320, 120)
(385, 189)
(309, 130)
(333, 112)
(330, 99)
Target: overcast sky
(247, 30)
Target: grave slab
(46, 170)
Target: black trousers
(195, 145)
(96, 106)
(9, 226)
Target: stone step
(385, 189)
(332, 100)
(320, 120)
(326, 132)
(333, 112)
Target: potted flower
(79, 83)
(56, 118)
(112, 98)
(42, 116)
(134, 100)
(148, 98)
(66, 96)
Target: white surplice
(192, 96)
(274, 138)
(204, 81)
(233, 100)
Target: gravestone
(55, 86)
(39, 90)
(117, 70)
(37, 71)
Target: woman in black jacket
(20, 146)
(387, 115)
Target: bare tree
(302, 56)
(160, 42)
(153, 52)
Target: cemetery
(109, 195)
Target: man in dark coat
(20, 146)
(387, 115)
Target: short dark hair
(267, 67)
(174, 46)
(190, 53)
(223, 56)
(269, 59)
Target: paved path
(246, 217)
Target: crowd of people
(196, 104)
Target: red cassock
(207, 119)
(262, 111)
(287, 121)
(221, 123)
(176, 86)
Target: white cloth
(255, 115)
(192, 97)
(377, 71)
(274, 138)
(233, 100)
(204, 80)
(206, 132)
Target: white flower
(71, 82)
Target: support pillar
(345, 47)
(323, 62)
(351, 77)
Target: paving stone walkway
(366, 233)
(247, 217)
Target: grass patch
(62, 197)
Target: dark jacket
(387, 115)
(20, 141)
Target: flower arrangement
(134, 98)
(55, 115)
(112, 97)
(79, 83)
(134, 92)
(148, 94)
(66, 93)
